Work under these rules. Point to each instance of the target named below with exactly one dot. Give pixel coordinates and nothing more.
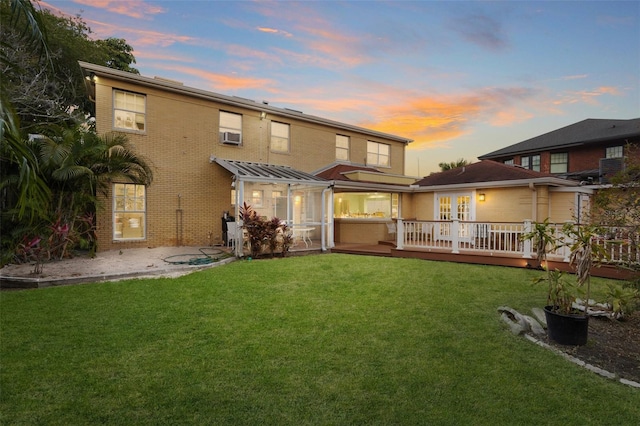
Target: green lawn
(328, 339)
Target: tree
(618, 207)
(76, 164)
(48, 183)
(452, 165)
(116, 53)
(24, 194)
(51, 89)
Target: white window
(378, 154)
(342, 147)
(509, 162)
(129, 111)
(129, 211)
(230, 128)
(366, 205)
(279, 137)
(614, 152)
(559, 163)
(257, 198)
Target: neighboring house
(589, 151)
(211, 153)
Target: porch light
(481, 197)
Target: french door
(454, 206)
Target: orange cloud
(222, 82)
(589, 97)
(510, 116)
(428, 120)
(137, 37)
(327, 45)
(132, 8)
(432, 120)
(274, 31)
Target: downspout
(323, 222)
(534, 202)
(239, 243)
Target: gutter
(179, 88)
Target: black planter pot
(567, 329)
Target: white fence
(504, 238)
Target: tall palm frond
(23, 190)
(120, 162)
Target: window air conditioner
(231, 138)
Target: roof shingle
(482, 171)
(582, 133)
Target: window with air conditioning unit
(231, 138)
(230, 128)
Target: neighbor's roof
(256, 172)
(487, 171)
(178, 87)
(582, 133)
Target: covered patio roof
(260, 172)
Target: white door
(454, 206)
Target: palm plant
(24, 193)
(77, 164)
(74, 164)
(585, 253)
(560, 294)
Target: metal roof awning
(260, 172)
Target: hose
(201, 258)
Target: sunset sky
(461, 79)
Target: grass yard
(327, 339)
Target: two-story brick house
(211, 153)
(589, 151)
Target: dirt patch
(612, 345)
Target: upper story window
(230, 128)
(509, 162)
(378, 154)
(279, 137)
(342, 147)
(129, 111)
(559, 162)
(614, 152)
(531, 162)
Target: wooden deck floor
(388, 249)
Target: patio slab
(115, 265)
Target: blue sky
(460, 78)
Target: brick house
(331, 182)
(211, 153)
(589, 151)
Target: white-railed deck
(505, 239)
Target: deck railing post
(526, 247)
(455, 236)
(400, 234)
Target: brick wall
(189, 194)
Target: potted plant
(586, 253)
(565, 324)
